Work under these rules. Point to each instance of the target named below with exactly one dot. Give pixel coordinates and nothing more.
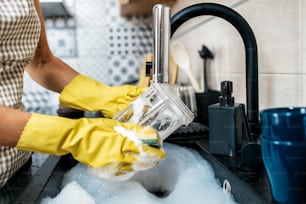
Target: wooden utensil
(144, 81)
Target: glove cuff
(82, 93)
(40, 134)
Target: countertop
(254, 179)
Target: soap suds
(72, 193)
(183, 177)
(143, 162)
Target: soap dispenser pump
(225, 123)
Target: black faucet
(250, 45)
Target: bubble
(182, 177)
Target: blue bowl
(284, 124)
(285, 163)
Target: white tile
(277, 90)
(276, 25)
(223, 40)
(62, 42)
(303, 94)
(303, 38)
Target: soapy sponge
(149, 137)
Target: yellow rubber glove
(88, 94)
(97, 142)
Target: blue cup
(283, 146)
(284, 124)
(285, 163)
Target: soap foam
(143, 162)
(183, 177)
(79, 195)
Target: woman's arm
(12, 123)
(46, 69)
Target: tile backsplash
(100, 43)
(279, 27)
(97, 42)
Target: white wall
(279, 27)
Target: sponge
(150, 137)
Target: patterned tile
(97, 42)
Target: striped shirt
(19, 35)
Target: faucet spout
(161, 38)
(250, 45)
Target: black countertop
(254, 179)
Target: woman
(98, 142)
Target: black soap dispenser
(225, 123)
